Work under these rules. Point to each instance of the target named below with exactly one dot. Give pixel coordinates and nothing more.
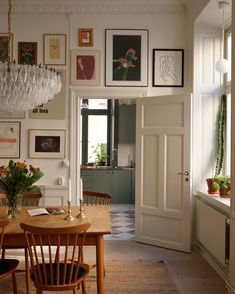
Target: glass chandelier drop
(25, 86)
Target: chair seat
(7, 265)
(83, 271)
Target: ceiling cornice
(94, 6)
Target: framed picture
(4, 46)
(27, 52)
(168, 67)
(126, 58)
(54, 108)
(85, 37)
(85, 67)
(54, 49)
(10, 139)
(46, 143)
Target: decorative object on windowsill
(223, 184)
(100, 155)
(221, 128)
(24, 86)
(15, 179)
(222, 65)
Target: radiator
(213, 231)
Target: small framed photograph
(4, 47)
(168, 67)
(126, 58)
(85, 67)
(85, 37)
(10, 139)
(27, 52)
(46, 143)
(54, 49)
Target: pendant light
(222, 65)
(24, 86)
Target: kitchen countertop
(85, 167)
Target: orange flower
(33, 169)
(3, 170)
(21, 165)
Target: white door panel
(163, 211)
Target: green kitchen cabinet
(116, 182)
(126, 124)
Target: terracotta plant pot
(211, 190)
(224, 193)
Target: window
(228, 55)
(96, 121)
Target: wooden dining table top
(97, 216)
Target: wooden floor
(191, 273)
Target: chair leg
(27, 274)
(84, 287)
(13, 276)
(75, 291)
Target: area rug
(121, 277)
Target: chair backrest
(96, 198)
(28, 199)
(55, 253)
(3, 223)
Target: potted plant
(223, 184)
(100, 155)
(221, 127)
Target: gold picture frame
(4, 47)
(85, 37)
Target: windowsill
(220, 202)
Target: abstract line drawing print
(167, 68)
(9, 139)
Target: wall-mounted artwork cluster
(126, 61)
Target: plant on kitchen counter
(100, 155)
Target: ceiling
(96, 6)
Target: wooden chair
(7, 266)
(96, 198)
(28, 199)
(56, 257)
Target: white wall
(165, 31)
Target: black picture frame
(168, 68)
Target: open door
(163, 181)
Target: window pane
(98, 103)
(97, 134)
(229, 53)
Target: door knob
(186, 173)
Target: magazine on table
(48, 210)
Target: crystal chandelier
(25, 86)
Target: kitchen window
(96, 128)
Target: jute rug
(121, 277)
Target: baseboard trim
(220, 269)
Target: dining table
(97, 216)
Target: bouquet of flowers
(17, 178)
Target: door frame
(74, 125)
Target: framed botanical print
(4, 39)
(85, 37)
(54, 49)
(47, 143)
(27, 52)
(168, 67)
(126, 58)
(10, 139)
(85, 67)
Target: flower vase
(14, 203)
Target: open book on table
(48, 210)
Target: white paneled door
(163, 179)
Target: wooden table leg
(27, 273)
(100, 264)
